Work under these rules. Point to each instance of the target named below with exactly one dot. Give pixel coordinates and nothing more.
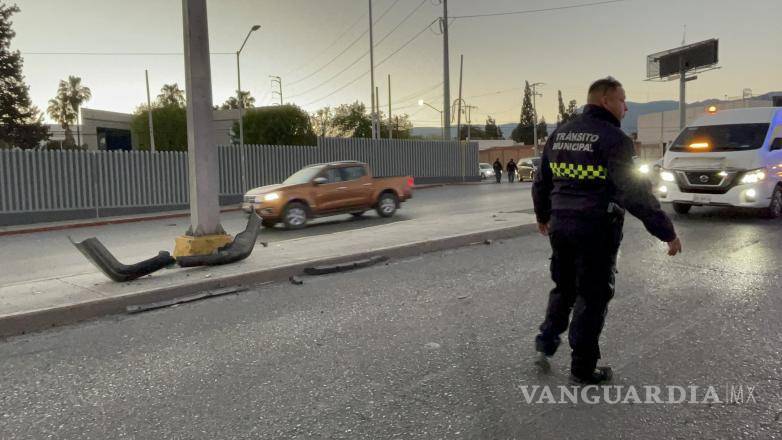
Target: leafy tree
(572, 109)
(401, 127)
(170, 123)
(232, 103)
(322, 122)
(492, 130)
(278, 125)
(475, 132)
(352, 120)
(523, 131)
(171, 95)
(566, 114)
(542, 128)
(21, 122)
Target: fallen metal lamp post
(239, 249)
(109, 265)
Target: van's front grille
(706, 181)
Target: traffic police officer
(586, 181)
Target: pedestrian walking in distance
(498, 170)
(511, 168)
(585, 183)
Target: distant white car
(486, 170)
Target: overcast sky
(565, 49)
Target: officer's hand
(543, 228)
(674, 247)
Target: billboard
(696, 56)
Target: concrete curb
(37, 320)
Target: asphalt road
(48, 255)
(432, 347)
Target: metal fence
(56, 185)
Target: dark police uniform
(586, 181)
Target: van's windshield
(731, 137)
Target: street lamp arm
(253, 29)
(432, 107)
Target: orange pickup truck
(327, 189)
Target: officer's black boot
(598, 375)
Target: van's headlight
(644, 169)
(667, 176)
(271, 197)
(754, 176)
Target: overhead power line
(357, 60)
(359, 38)
(376, 65)
(417, 95)
(121, 53)
(333, 43)
(532, 11)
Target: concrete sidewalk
(38, 304)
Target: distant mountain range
(629, 124)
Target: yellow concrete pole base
(186, 245)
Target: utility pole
(277, 80)
(459, 105)
(446, 73)
(377, 113)
(375, 133)
(535, 113)
(462, 147)
(149, 114)
(390, 129)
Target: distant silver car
(528, 168)
(486, 170)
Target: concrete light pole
(205, 233)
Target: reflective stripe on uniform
(577, 171)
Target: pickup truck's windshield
(304, 175)
(732, 137)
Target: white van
(726, 158)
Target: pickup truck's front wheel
(295, 215)
(386, 204)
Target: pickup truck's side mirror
(777, 144)
(320, 180)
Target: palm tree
(76, 94)
(231, 103)
(171, 95)
(60, 110)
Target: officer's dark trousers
(582, 268)
(498, 175)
